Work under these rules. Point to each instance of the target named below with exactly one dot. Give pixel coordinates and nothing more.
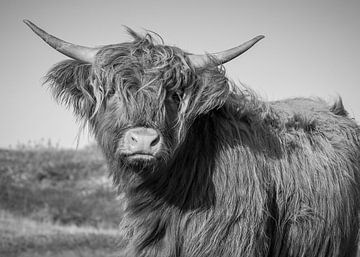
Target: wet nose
(142, 140)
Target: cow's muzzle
(141, 143)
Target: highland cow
(207, 167)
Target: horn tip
(26, 21)
(259, 37)
(29, 23)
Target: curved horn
(81, 53)
(200, 61)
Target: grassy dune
(57, 202)
(60, 186)
(20, 236)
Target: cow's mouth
(140, 160)
(141, 156)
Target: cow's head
(139, 97)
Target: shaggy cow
(207, 168)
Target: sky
(311, 49)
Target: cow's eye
(110, 92)
(176, 97)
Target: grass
(20, 236)
(57, 185)
(57, 202)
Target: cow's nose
(142, 140)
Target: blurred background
(55, 196)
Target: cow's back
(316, 180)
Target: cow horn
(200, 61)
(81, 53)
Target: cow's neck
(161, 208)
(186, 182)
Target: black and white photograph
(179, 128)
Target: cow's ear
(70, 83)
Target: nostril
(155, 141)
(142, 140)
(133, 139)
